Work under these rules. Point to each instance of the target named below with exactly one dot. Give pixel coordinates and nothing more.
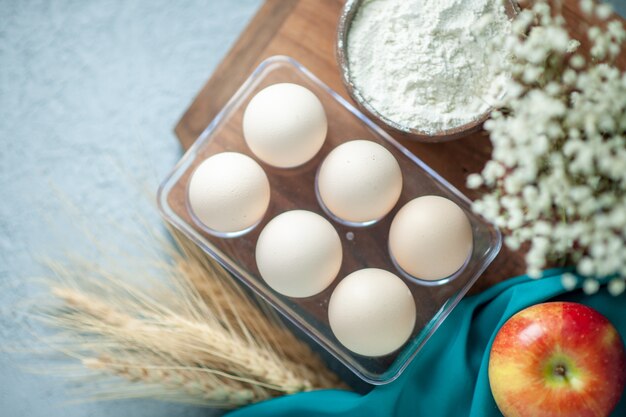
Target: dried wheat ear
(196, 338)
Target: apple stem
(560, 370)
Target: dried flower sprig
(557, 176)
(198, 338)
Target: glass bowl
(345, 20)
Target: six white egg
(298, 253)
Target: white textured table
(89, 94)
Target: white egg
(372, 312)
(430, 238)
(285, 125)
(229, 192)
(359, 181)
(298, 253)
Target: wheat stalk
(252, 316)
(197, 338)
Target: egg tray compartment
(294, 188)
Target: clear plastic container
(363, 247)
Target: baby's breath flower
(474, 181)
(569, 281)
(617, 286)
(587, 6)
(590, 286)
(577, 62)
(604, 11)
(557, 173)
(534, 272)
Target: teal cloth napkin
(448, 378)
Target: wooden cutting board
(305, 30)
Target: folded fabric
(448, 378)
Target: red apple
(557, 359)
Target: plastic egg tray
(363, 247)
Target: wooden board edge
(236, 66)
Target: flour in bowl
(419, 63)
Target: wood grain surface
(306, 31)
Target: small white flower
(616, 286)
(573, 45)
(557, 174)
(512, 242)
(522, 22)
(614, 50)
(500, 221)
(570, 77)
(542, 228)
(616, 30)
(594, 32)
(604, 11)
(577, 61)
(586, 266)
(532, 74)
(590, 286)
(587, 6)
(474, 181)
(569, 281)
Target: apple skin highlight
(557, 359)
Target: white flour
(418, 62)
